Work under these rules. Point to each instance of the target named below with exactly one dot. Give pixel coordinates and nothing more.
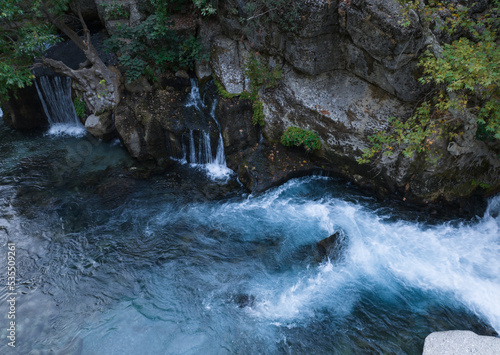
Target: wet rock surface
(101, 126)
(266, 165)
(331, 247)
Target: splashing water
(132, 266)
(215, 166)
(55, 95)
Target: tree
(27, 28)
(464, 104)
(153, 45)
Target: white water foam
(457, 262)
(63, 129)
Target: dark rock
(315, 56)
(238, 131)
(330, 247)
(244, 300)
(68, 53)
(182, 74)
(266, 165)
(25, 111)
(139, 85)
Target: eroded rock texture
(346, 71)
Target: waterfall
(203, 156)
(194, 98)
(55, 95)
(220, 157)
(192, 152)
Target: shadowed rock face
(25, 111)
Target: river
(113, 260)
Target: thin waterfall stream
(55, 94)
(201, 155)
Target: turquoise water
(112, 260)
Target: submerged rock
(244, 300)
(331, 246)
(458, 342)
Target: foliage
(207, 7)
(115, 11)
(295, 136)
(222, 92)
(258, 113)
(416, 134)
(260, 75)
(23, 35)
(153, 46)
(285, 13)
(464, 72)
(471, 70)
(79, 107)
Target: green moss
(260, 75)
(482, 185)
(258, 113)
(295, 136)
(79, 107)
(222, 92)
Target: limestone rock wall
(346, 71)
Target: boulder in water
(101, 126)
(455, 342)
(331, 246)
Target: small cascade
(199, 143)
(202, 155)
(220, 157)
(55, 95)
(194, 98)
(192, 152)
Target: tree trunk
(98, 85)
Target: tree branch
(65, 29)
(82, 21)
(59, 67)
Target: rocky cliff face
(346, 71)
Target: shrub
(258, 113)
(295, 136)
